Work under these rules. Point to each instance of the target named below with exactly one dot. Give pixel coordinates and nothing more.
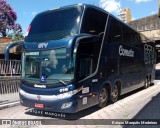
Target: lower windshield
(49, 66)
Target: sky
(27, 9)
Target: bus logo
(125, 52)
(38, 97)
(39, 86)
(42, 45)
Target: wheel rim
(149, 82)
(146, 83)
(115, 94)
(103, 96)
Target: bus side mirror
(14, 44)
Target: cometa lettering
(39, 86)
(125, 52)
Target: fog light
(66, 105)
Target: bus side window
(115, 31)
(85, 67)
(126, 34)
(94, 22)
(135, 39)
(87, 58)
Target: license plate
(38, 105)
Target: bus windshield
(54, 25)
(50, 66)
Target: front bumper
(65, 105)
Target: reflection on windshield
(51, 66)
(51, 61)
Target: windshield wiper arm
(63, 82)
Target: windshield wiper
(63, 82)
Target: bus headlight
(22, 92)
(66, 105)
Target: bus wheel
(114, 95)
(103, 97)
(146, 83)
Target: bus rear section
(130, 59)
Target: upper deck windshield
(55, 24)
(49, 66)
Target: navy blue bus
(78, 56)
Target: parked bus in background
(78, 56)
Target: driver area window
(87, 58)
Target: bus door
(86, 64)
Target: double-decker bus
(78, 56)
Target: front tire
(103, 97)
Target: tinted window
(115, 31)
(127, 34)
(120, 32)
(135, 38)
(55, 24)
(94, 22)
(87, 58)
